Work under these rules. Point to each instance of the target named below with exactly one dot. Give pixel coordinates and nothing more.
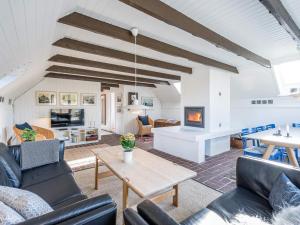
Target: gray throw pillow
(284, 193)
(26, 203)
(9, 216)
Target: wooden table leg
(292, 157)
(268, 152)
(125, 195)
(175, 197)
(96, 173)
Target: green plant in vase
(28, 134)
(128, 143)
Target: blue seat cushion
(284, 193)
(144, 120)
(23, 126)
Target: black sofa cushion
(70, 201)
(56, 190)
(12, 169)
(204, 217)
(93, 211)
(241, 201)
(43, 173)
(153, 215)
(131, 217)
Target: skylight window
(177, 85)
(13, 75)
(288, 77)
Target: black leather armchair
(56, 185)
(255, 178)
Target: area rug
(81, 158)
(193, 196)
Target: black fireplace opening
(194, 116)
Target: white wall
(25, 108)
(128, 118)
(171, 110)
(284, 110)
(6, 120)
(195, 91)
(219, 95)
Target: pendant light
(136, 107)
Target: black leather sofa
(56, 185)
(255, 178)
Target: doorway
(103, 110)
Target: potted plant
(128, 143)
(28, 134)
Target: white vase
(127, 157)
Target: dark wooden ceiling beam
(93, 73)
(108, 66)
(277, 9)
(108, 52)
(94, 79)
(85, 22)
(169, 15)
(109, 85)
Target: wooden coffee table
(149, 176)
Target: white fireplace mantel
(192, 143)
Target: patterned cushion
(26, 203)
(8, 215)
(284, 193)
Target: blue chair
(259, 151)
(285, 155)
(296, 125)
(244, 132)
(270, 126)
(260, 128)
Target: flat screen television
(67, 117)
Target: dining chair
(270, 126)
(296, 125)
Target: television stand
(77, 135)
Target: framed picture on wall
(68, 98)
(131, 97)
(147, 101)
(88, 99)
(45, 98)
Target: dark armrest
(258, 175)
(97, 210)
(153, 215)
(131, 217)
(15, 151)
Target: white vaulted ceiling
(29, 27)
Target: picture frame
(131, 97)
(148, 101)
(68, 98)
(45, 98)
(88, 98)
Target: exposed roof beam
(167, 14)
(85, 22)
(109, 85)
(98, 74)
(94, 79)
(108, 52)
(108, 66)
(276, 8)
(105, 88)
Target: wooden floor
(217, 172)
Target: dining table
(273, 138)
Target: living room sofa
(56, 185)
(255, 178)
